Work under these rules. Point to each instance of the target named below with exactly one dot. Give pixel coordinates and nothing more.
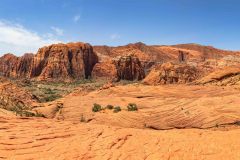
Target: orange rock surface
(48, 139)
(168, 73)
(160, 107)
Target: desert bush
(117, 109)
(82, 119)
(27, 114)
(50, 98)
(48, 91)
(237, 123)
(96, 107)
(110, 106)
(132, 107)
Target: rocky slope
(168, 73)
(16, 99)
(126, 67)
(207, 51)
(160, 54)
(226, 76)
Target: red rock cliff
(55, 62)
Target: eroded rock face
(105, 70)
(129, 68)
(8, 64)
(13, 66)
(24, 65)
(169, 73)
(121, 68)
(226, 76)
(64, 61)
(55, 62)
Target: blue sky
(26, 25)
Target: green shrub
(132, 107)
(51, 98)
(110, 106)
(49, 91)
(117, 109)
(96, 107)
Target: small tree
(132, 107)
(96, 107)
(110, 106)
(117, 109)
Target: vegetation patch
(132, 107)
(110, 107)
(50, 91)
(96, 107)
(117, 109)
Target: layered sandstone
(13, 66)
(161, 53)
(169, 73)
(126, 67)
(159, 107)
(45, 139)
(223, 77)
(105, 70)
(63, 61)
(55, 62)
(130, 68)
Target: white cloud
(57, 30)
(15, 38)
(115, 36)
(76, 18)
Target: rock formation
(222, 77)
(121, 68)
(13, 97)
(64, 61)
(129, 68)
(55, 62)
(169, 73)
(8, 64)
(13, 66)
(105, 70)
